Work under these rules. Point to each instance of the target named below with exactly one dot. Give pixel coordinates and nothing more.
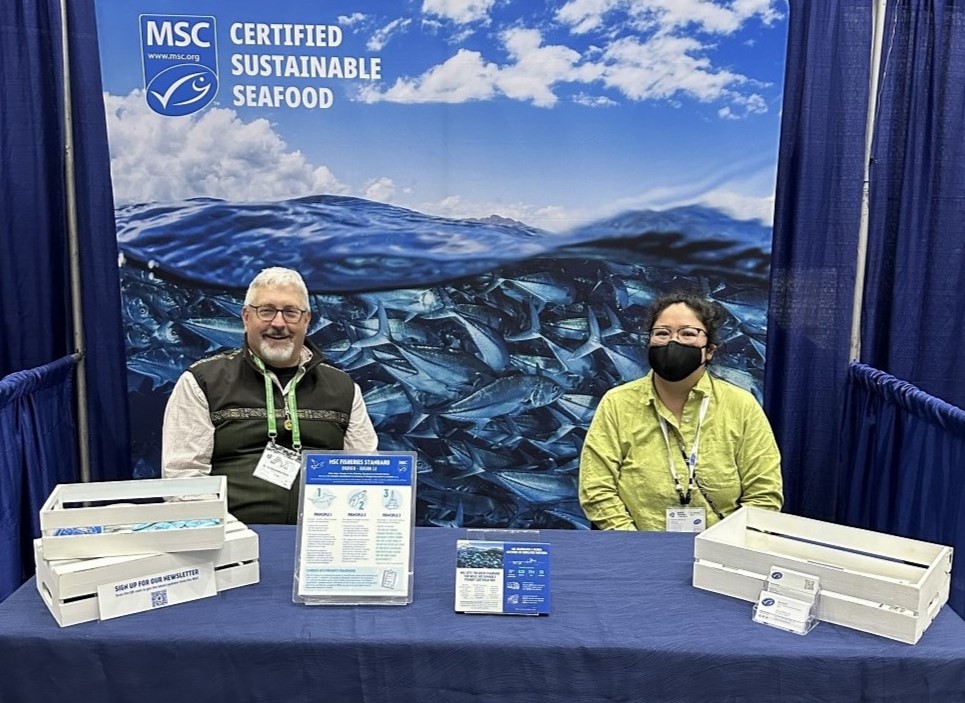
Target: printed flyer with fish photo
(483, 198)
(502, 578)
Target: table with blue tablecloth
(626, 625)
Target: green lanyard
(291, 405)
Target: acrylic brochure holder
(502, 572)
(789, 601)
(356, 528)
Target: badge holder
(502, 572)
(356, 529)
(788, 601)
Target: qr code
(159, 599)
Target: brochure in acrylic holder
(356, 528)
(502, 572)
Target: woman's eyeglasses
(685, 335)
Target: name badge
(279, 465)
(681, 519)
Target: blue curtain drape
(913, 325)
(105, 357)
(861, 446)
(906, 450)
(36, 453)
(33, 253)
(34, 258)
(817, 211)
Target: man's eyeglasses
(685, 335)
(267, 313)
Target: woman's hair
(709, 312)
(277, 277)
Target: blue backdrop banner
(483, 199)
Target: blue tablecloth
(626, 625)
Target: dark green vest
(235, 390)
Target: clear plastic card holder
(762, 615)
(356, 528)
(788, 601)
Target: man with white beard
(246, 414)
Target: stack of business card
(787, 600)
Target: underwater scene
(482, 345)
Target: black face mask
(675, 361)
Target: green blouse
(625, 480)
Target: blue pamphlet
(504, 578)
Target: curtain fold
(36, 453)
(33, 255)
(914, 318)
(817, 211)
(105, 357)
(906, 453)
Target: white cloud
(647, 56)
(536, 68)
(380, 189)
(666, 16)
(381, 36)
(459, 11)
(530, 76)
(740, 206)
(594, 100)
(663, 67)
(463, 77)
(745, 105)
(213, 154)
(753, 103)
(351, 20)
(324, 181)
(552, 218)
(217, 154)
(584, 16)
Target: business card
(782, 611)
(794, 584)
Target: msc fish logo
(180, 58)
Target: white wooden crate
(69, 586)
(871, 581)
(73, 506)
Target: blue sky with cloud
(553, 113)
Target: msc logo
(179, 34)
(180, 58)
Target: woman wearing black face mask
(678, 449)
